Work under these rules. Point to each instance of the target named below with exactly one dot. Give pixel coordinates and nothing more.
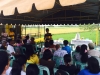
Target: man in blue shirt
(67, 48)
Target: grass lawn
(69, 36)
(67, 33)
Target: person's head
(27, 37)
(84, 54)
(25, 41)
(93, 65)
(18, 65)
(47, 30)
(4, 62)
(47, 44)
(32, 38)
(29, 51)
(4, 42)
(57, 46)
(61, 72)
(78, 49)
(32, 69)
(65, 42)
(18, 41)
(67, 59)
(11, 41)
(91, 46)
(47, 54)
(51, 42)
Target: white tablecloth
(58, 42)
(80, 42)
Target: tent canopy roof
(49, 12)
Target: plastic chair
(80, 65)
(43, 68)
(11, 60)
(55, 70)
(72, 45)
(59, 61)
(23, 50)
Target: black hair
(65, 42)
(51, 42)
(29, 51)
(93, 65)
(32, 69)
(32, 38)
(47, 29)
(18, 41)
(27, 37)
(25, 41)
(67, 58)
(46, 44)
(84, 54)
(17, 65)
(4, 59)
(47, 54)
(78, 49)
(9, 40)
(61, 72)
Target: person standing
(11, 33)
(47, 36)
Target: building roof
(49, 11)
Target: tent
(49, 11)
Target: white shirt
(60, 53)
(10, 49)
(9, 70)
(94, 53)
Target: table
(58, 42)
(80, 42)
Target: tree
(89, 27)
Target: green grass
(70, 36)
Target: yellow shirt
(33, 59)
(12, 34)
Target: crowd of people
(84, 60)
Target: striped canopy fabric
(25, 6)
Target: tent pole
(98, 25)
(25, 29)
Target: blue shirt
(86, 72)
(67, 48)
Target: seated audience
(82, 62)
(76, 53)
(33, 41)
(28, 39)
(59, 52)
(47, 60)
(46, 44)
(71, 69)
(32, 69)
(92, 51)
(32, 58)
(51, 44)
(18, 67)
(92, 68)
(24, 42)
(4, 44)
(67, 48)
(84, 54)
(18, 42)
(4, 62)
(10, 47)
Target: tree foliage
(89, 27)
